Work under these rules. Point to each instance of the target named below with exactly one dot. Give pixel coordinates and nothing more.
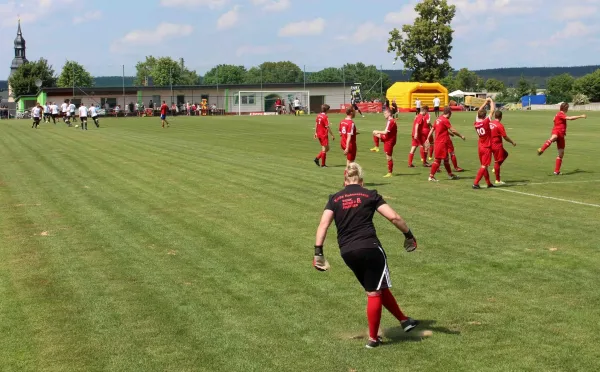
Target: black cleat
(317, 162)
(409, 324)
(373, 344)
(476, 187)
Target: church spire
(20, 48)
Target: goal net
(265, 102)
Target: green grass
(133, 248)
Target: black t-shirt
(353, 209)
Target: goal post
(263, 102)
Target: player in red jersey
(559, 132)
(388, 136)
(418, 140)
(163, 114)
(500, 154)
(425, 129)
(348, 134)
(442, 129)
(482, 127)
(322, 132)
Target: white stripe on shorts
(386, 272)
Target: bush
(580, 99)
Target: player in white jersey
(64, 109)
(46, 112)
(53, 112)
(83, 113)
(93, 111)
(36, 113)
(72, 109)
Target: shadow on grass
(576, 171)
(516, 183)
(371, 184)
(397, 334)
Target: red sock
(546, 145)
(376, 140)
(480, 174)
(323, 158)
(497, 171)
(374, 315)
(486, 174)
(454, 161)
(423, 155)
(431, 150)
(390, 166)
(390, 303)
(558, 164)
(411, 156)
(320, 155)
(434, 168)
(447, 166)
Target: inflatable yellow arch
(406, 93)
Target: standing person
(278, 105)
(348, 134)
(47, 113)
(83, 115)
(418, 140)
(72, 111)
(36, 114)
(352, 209)
(54, 112)
(442, 129)
(500, 154)
(355, 106)
(418, 107)
(322, 132)
(163, 114)
(137, 109)
(482, 127)
(93, 112)
(394, 109)
(297, 106)
(64, 108)
(436, 106)
(389, 136)
(559, 132)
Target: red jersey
(426, 124)
(498, 133)
(417, 125)
(347, 128)
(484, 132)
(163, 109)
(560, 123)
(278, 102)
(392, 130)
(322, 128)
(440, 128)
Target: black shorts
(436, 109)
(355, 106)
(297, 108)
(83, 118)
(370, 268)
(36, 120)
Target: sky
(106, 35)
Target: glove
(410, 244)
(320, 263)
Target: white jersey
(64, 107)
(93, 111)
(418, 104)
(436, 102)
(54, 109)
(83, 111)
(296, 103)
(72, 107)
(35, 112)
(47, 109)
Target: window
(247, 99)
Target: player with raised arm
(83, 115)
(322, 132)
(500, 154)
(352, 209)
(482, 127)
(348, 134)
(355, 106)
(389, 136)
(442, 130)
(559, 132)
(163, 114)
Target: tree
(225, 74)
(523, 87)
(449, 82)
(589, 85)
(424, 47)
(533, 88)
(493, 85)
(23, 80)
(368, 76)
(559, 88)
(164, 71)
(275, 72)
(466, 80)
(144, 70)
(74, 74)
(327, 75)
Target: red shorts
(450, 146)
(388, 147)
(500, 154)
(416, 142)
(424, 136)
(560, 140)
(324, 141)
(351, 156)
(440, 150)
(485, 156)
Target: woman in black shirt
(353, 208)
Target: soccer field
(136, 248)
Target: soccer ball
(76, 126)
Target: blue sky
(104, 35)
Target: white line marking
(549, 197)
(549, 183)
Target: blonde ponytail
(354, 173)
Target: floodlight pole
(304, 77)
(344, 79)
(124, 103)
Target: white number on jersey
(481, 132)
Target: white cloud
(406, 15)
(573, 31)
(194, 4)
(229, 19)
(304, 28)
(89, 16)
(273, 5)
(163, 32)
(369, 32)
(261, 49)
(28, 11)
(574, 12)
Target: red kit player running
(482, 127)
(348, 134)
(500, 154)
(418, 140)
(322, 132)
(442, 129)
(559, 132)
(388, 136)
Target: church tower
(19, 59)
